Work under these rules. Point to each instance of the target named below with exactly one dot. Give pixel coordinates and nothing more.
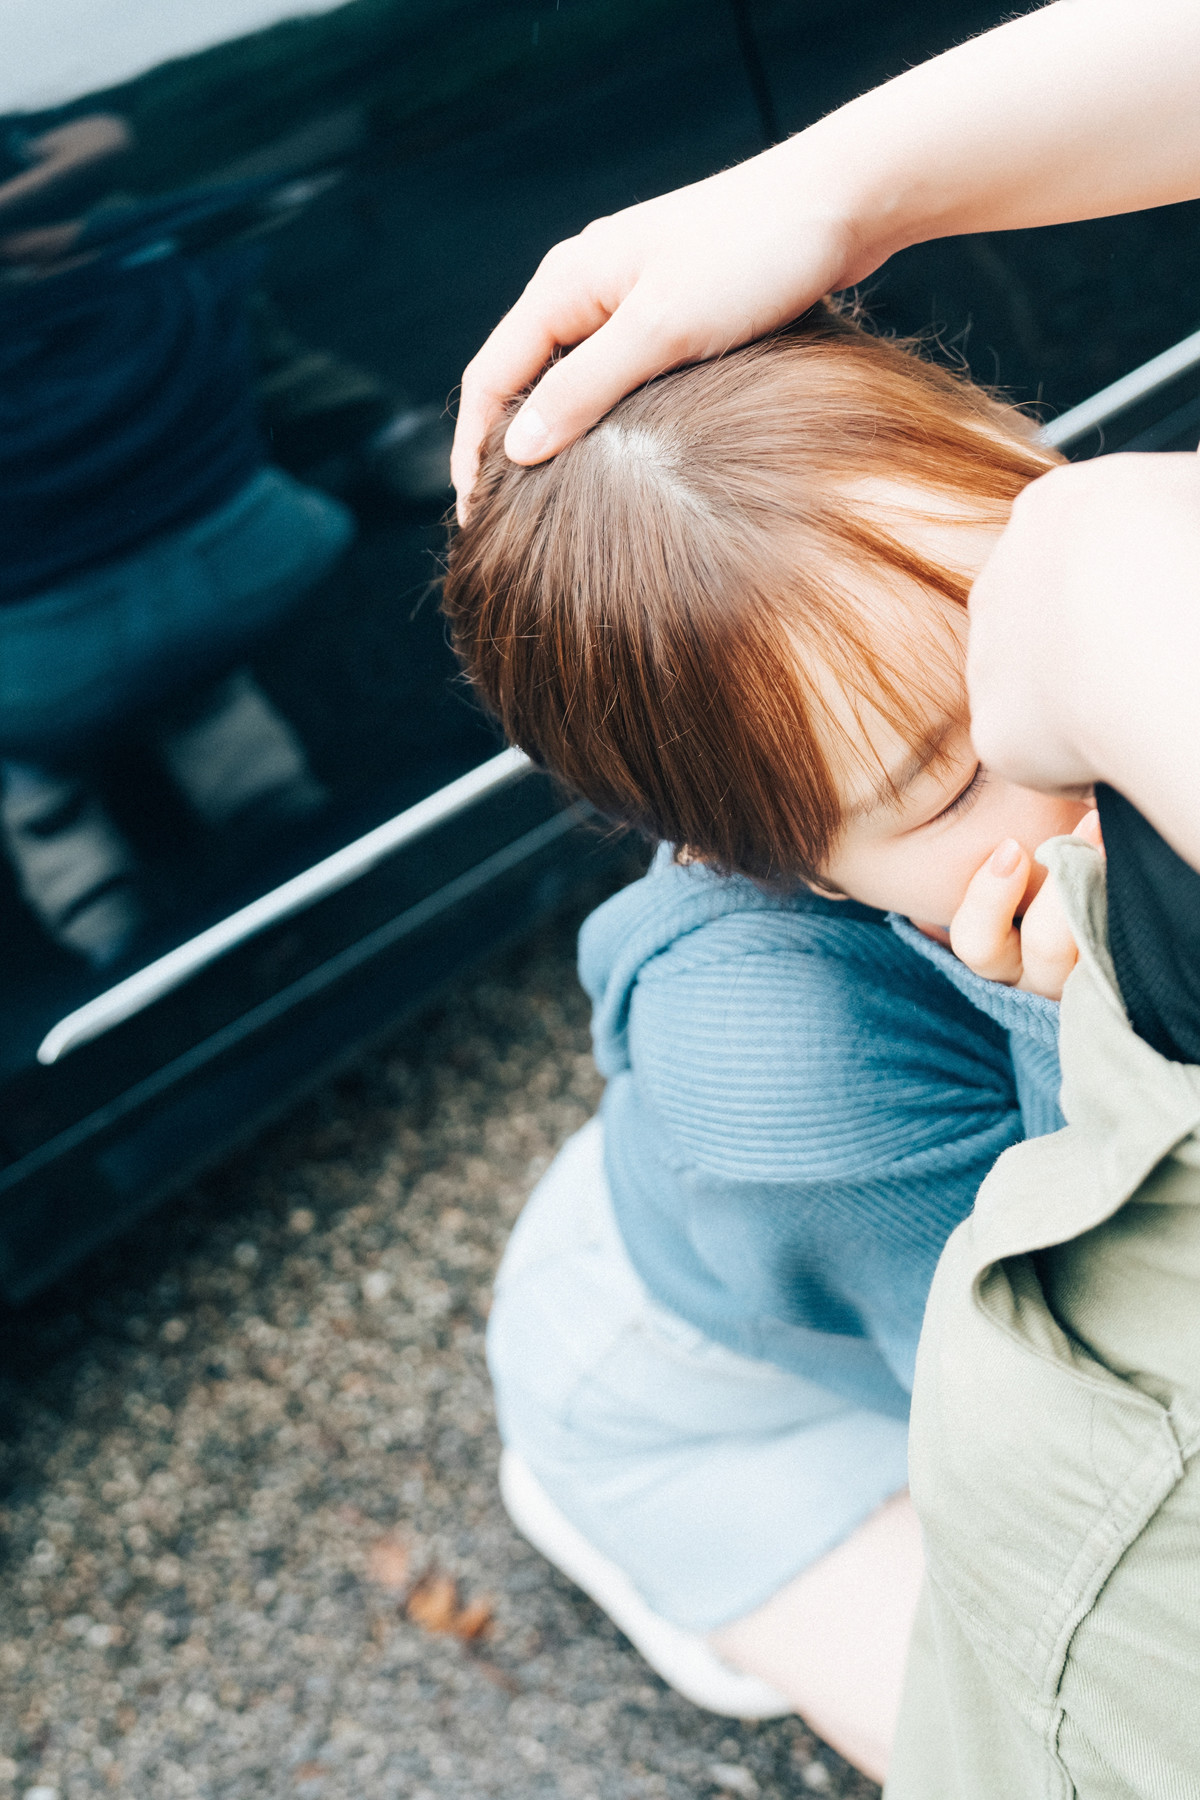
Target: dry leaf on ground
(434, 1603)
(473, 1620)
(434, 1606)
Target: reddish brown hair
(646, 613)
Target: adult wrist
(821, 183)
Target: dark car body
(401, 166)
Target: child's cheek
(1008, 811)
(935, 881)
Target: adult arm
(1084, 108)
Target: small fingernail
(527, 434)
(1005, 858)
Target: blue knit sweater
(803, 1098)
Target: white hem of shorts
(682, 1658)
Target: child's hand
(1040, 952)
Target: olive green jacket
(1055, 1436)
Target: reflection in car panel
(248, 813)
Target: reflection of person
(1055, 1408)
(318, 410)
(344, 427)
(733, 616)
(145, 545)
(47, 173)
(148, 542)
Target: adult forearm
(1084, 108)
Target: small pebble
(245, 1256)
(734, 1779)
(377, 1285)
(816, 1776)
(388, 1565)
(301, 1221)
(174, 1331)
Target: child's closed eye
(965, 797)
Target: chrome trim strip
(1139, 384)
(144, 986)
(277, 1005)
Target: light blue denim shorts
(710, 1478)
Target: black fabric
(1153, 929)
(127, 407)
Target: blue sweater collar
(1028, 1015)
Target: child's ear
(825, 893)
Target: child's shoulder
(684, 916)
(684, 956)
(786, 1037)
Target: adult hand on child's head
(671, 281)
(1036, 953)
(1011, 129)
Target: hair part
(655, 613)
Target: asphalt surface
(254, 1543)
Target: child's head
(733, 614)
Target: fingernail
(526, 435)
(1089, 826)
(1005, 858)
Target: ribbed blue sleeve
(779, 1048)
(806, 1114)
(801, 1106)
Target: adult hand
(1083, 661)
(1014, 128)
(672, 281)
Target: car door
(293, 820)
(301, 825)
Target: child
(733, 616)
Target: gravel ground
(254, 1543)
